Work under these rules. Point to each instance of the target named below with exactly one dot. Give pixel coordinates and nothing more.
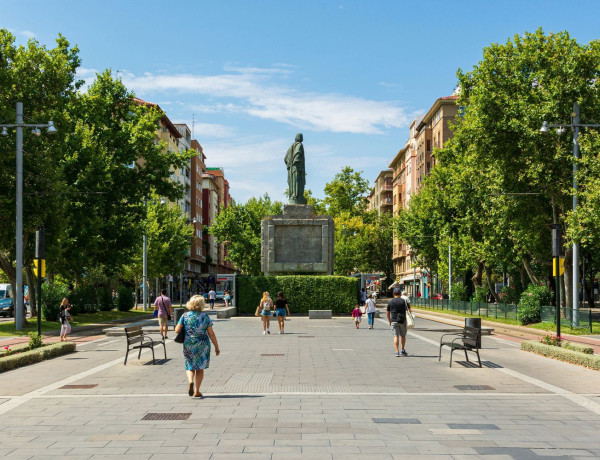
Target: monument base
(297, 242)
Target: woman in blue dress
(196, 346)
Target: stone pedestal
(297, 242)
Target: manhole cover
(167, 416)
(473, 387)
(78, 387)
(272, 354)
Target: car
(6, 302)
(437, 297)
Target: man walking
(396, 315)
(212, 295)
(163, 305)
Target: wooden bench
(467, 340)
(137, 339)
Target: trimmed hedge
(303, 293)
(576, 347)
(562, 354)
(35, 356)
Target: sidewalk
(323, 390)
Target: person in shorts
(281, 309)
(396, 315)
(163, 305)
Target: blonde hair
(64, 302)
(266, 296)
(196, 303)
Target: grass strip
(562, 354)
(35, 356)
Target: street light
(574, 125)
(19, 125)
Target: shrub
(480, 294)
(509, 295)
(35, 340)
(551, 340)
(105, 301)
(562, 354)
(530, 304)
(459, 292)
(125, 298)
(83, 299)
(303, 292)
(52, 296)
(35, 356)
(577, 347)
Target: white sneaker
(268, 331)
(264, 332)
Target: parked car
(7, 307)
(437, 296)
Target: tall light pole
(575, 126)
(19, 125)
(145, 262)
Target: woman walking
(226, 297)
(281, 308)
(196, 346)
(370, 310)
(64, 315)
(266, 305)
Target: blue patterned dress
(196, 346)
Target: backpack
(398, 317)
(62, 316)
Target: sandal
(199, 395)
(191, 389)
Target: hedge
(576, 347)
(562, 354)
(35, 356)
(303, 293)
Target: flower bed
(17, 358)
(569, 355)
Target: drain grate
(474, 387)
(306, 336)
(167, 416)
(272, 354)
(78, 387)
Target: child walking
(356, 314)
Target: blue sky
(349, 75)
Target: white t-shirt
(212, 294)
(370, 306)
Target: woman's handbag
(257, 312)
(180, 337)
(410, 320)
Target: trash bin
(178, 313)
(476, 323)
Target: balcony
(386, 187)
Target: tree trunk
(478, 276)
(32, 286)
(524, 278)
(488, 275)
(527, 265)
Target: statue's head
(299, 137)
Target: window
(428, 145)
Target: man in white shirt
(212, 295)
(370, 310)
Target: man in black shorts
(396, 315)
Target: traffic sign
(35, 267)
(561, 266)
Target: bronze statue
(294, 160)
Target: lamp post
(19, 125)
(575, 126)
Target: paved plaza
(323, 390)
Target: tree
(45, 81)
(346, 193)
(239, 227)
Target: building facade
(380, 197)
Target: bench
(468, 340)
(137, 339)
(320, 314)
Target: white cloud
(254, 92)
(27, 33)
(205, 130)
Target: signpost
(40, 255)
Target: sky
(249, 75)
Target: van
(7, 307)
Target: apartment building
(197, 256)
(222, 184)
(380, 197)
(210, 208)
(410, 166)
